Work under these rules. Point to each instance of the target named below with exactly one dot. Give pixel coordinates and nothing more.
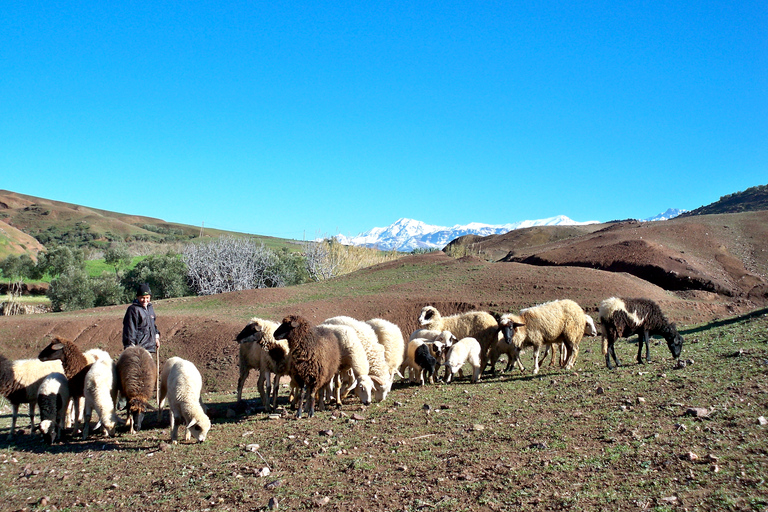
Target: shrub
(71, 290)
(166, 275)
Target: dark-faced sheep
(621, 318)
(76, 366)
(137, 375)
(475, 324)
(560, 321)
(20, 381)
(315, 359)
(260, 350)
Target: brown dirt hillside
(725, 254)
(16, 242)
(203, 329)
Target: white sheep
(100, 390)
(52, 399)
(379, 370)
(560, 321)
(438, 343)
(353, 358)
(390, 337)
(480, 325)
(20, 381)
(466, 350)
(181, 385)
(260, 350)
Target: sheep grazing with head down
(375, 352)
(76, 366)
(315, 359)
(101, 387)
(20, 381)
(391, 338)
(621, 318)
(480, 325)
(466, 350)
(560, 321)
(137, 375)
(181, 385)
(52, 399)
(353, 359)
(259, 349)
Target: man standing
(139, 322)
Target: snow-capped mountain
(671, 213)
(407, 234)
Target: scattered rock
(697, 412)
(264, 471)
(328, 433)
(477, 427)
(600, 390)
(321, 501)
(762, 421)
(690, 456)
(640, 400)
(357, 417)
(538, 446)
(273, 504)
(402, 468)
(252, 447)
(274, 484)
(164, 447)
(445, 407)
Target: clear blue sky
(296, 119)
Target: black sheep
(424, 358)
(621, 318)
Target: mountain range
(405, 235)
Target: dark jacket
(139, 327)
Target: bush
(108, 291)
(166, 275)
(17, 267)
(71, 290)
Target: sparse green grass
(509, 442)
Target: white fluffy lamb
(52, 399)
(480, 325)
(379, 370)
(390, 337)
(260, 350)
(100, 392)
(353, 358)
(181, 385)
(466, 350)
(20, 381)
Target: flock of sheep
(325, 362)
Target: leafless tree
(323, 259)
(229, 264)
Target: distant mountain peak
(406, 234)
(671, 213)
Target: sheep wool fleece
(139, 327)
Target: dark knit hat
(143, 289)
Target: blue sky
(296, 119)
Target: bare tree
(229, 264)
(324, 260)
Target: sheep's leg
(643, 338)
(174, 428)
(448, 374)
(476, 374)
(241, 382)
(276, 389)
(611, 352)
(13, 421)
(536, 351)
(311, 402)
(300, 406)
(263, 391)
(87, 420)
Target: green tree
(59, 259)
(17, 267)
(166, 275)
(107, 290)
(117, 256)
(71, 290)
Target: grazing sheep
(136, 374)
(52, 399)
(463, 351)
(438, 343)
(621, 318)
(424, 365)
(315, 359)
(426, 361)
(390, 337)
(589, 330)
(560, 321)
(259, 349)
(379, 369)
(76, 366)
(502, 347)
(353, 358)
(101, 384)
(181, 385)
(20, 381)
(475, 324)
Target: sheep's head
(364, 389)
(54, 350)
(136, 408)
(50, 431)
(674, 340)
(198, 428)
(429, 314)
(446, 338)
(512, 327)
(254, 331)
(290, 323)
(381, 387)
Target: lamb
(137, 374)
(20, 381)
(259, 349)
(375, 352)
(621, 318)
(315, 359)
(426, 361)
(52, 399)
(422, 361)
(76, 366)
(560, 321)
(464, 350)
(390, 336)
(353, 358)
(476, 324)
(101, 387)
(181, 385)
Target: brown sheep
(315, 359)
(137, 374)
(76, 366)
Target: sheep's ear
(57, 346)
(294, 324)
(516, 325)
(191, 423)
